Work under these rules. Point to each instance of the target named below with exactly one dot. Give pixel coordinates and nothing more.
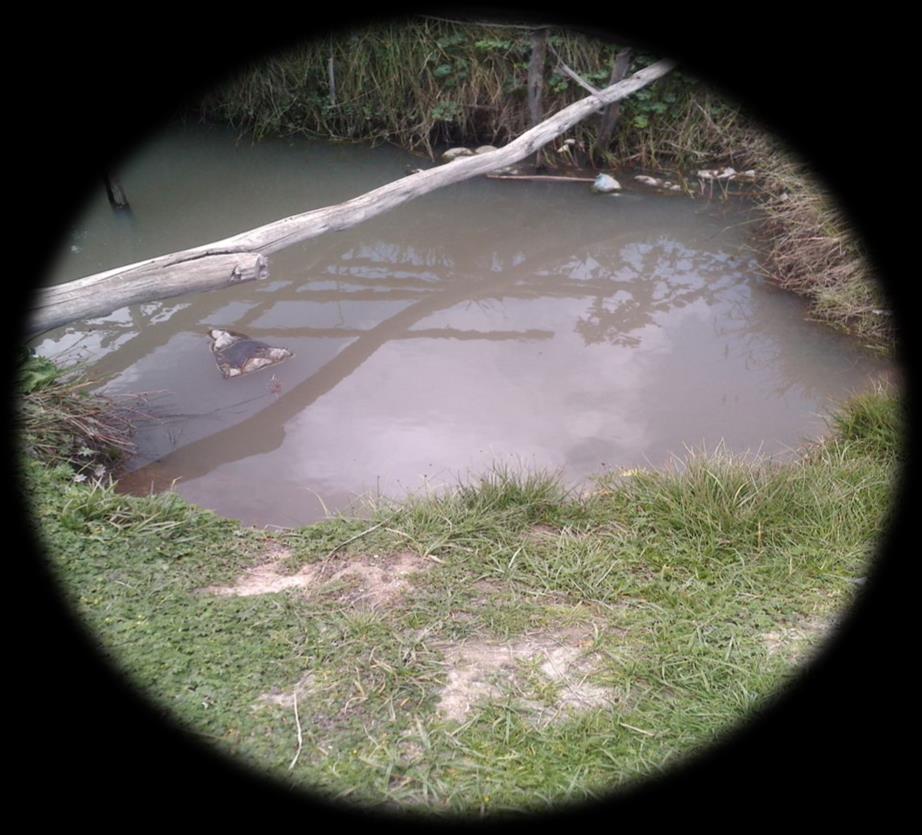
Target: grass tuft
(62, 422)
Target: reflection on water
(532, 324)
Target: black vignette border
(87, 86)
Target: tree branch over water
(243, 257)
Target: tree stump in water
(115, 192)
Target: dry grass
(63, 421)
(809, 248)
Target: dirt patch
(541, 533)
(545, 674)
(797, 641)
(287, 698)
(362, 581)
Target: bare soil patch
(541, 533)
(287, 698)
(546, 674)
(797, 641)
(360, 581)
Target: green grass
(690, 596)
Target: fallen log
(552, 177)
(242, 257)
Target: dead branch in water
(242, 257)
(551, 177)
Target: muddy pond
(530, 325)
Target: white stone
(605, 184)
(454, 153)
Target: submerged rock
(454, 153)
(236, 354)
(656, 182)
(604, 184)
(508, 170)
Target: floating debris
(236, 354)
(656, 182)
(725, 174)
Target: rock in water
(454, 153)
(604, 184)
(236, 354)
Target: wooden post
(611, 113)
(115, 192)
(536, 82)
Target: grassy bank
(426, 83)
(509, 646)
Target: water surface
(534, 325)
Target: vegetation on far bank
(508, 646)
(424, 83)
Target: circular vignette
(814, 735)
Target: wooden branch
(157, 278)
(331, 74)
(568, 71)
(535, 177)
(242, 257)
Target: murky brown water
(535, 325)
